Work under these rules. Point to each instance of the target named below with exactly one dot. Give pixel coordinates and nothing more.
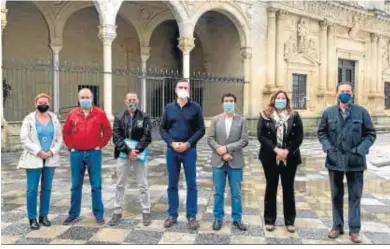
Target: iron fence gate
(205, 89)
(24, 80)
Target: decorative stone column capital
(271, 12)
(3, 19)
(374, 37)
(107, 33)
(186, 44)
(324, 24)
(56, 47)
(145, 53)
(281, 14)
(246, 53)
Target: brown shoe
(355, 237)
(193, 224)
(170, 222)
(334, 234)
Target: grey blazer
(237, 140)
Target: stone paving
(312, 197)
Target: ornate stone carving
(107, 33)
(300, 43)
(312, 50)
(374, 38)
(145, 13)
(386, 55)
(290, 47)
(302, 35)
(3, 19)
(355, 27)
(246, 53)
(145, 53)
(281, 14)
(341, 14)
(186, 44)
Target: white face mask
(182, 94)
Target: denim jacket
(346, 140)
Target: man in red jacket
(86, 131)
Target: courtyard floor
(314, 216)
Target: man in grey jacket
(346, 133)
(227, 137)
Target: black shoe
(239, 225)
(217, 225)
(71, 220)
(146, 219)
(115, 219)
(44, 221)
(34, 224)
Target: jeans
(174, 160)
(92, 161)
(287, 175)
(355, 189)
(235, 179)
(33, 176)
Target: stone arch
(153, 24)
(66, 11)
(48, 15)
(130, 21)
(231, 11)
(179, 12)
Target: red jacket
(86, 133)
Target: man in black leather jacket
(132, 124)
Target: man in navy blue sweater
(181, 128)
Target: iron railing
(28, 78)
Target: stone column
(56, 48)
(332, 59)
(3, 24)
(246, 56)
(107, 34)
(374, 62)
(186, 44)
(145, 53)
(379, 83)
(323, 53)
(281, 68)
(271, 48)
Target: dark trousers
(287, 174)
(174, 161)
(355, 189)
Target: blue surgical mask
(85, 103)
(345, 97)
(280, 104)
(228, 107)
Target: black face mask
(43, 108)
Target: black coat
(140, 131)
(346, 142)
(266, 134)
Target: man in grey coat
(346, 133)
(227, 137)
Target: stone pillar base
(376, 103)
(4, 135)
